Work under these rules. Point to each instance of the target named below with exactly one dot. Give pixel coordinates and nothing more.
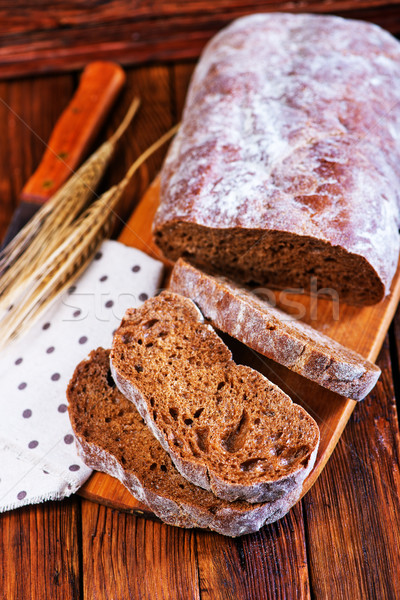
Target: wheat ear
(40, 237)
(76, 249)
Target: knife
(74, 132)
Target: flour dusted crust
(287, 163)
(275, 334)
(109, 431)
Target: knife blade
(70, 140)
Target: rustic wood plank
(79, 12)
(153, 86)
(181, 74)
(34, 39)
(39, 552)
(28, 112)
(129, 557)
(269, 565)
(353, 510)
(394, 336)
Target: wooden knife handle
(76, 129)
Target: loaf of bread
(227, 428)
(273, 333)
(286, 168)
(112, 437)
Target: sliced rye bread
(226, 427)
(273, 333)
(112, 437)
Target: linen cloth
(38, 459)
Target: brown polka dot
(27, 413)
(83, 339)
(98, 255)
(50, 350)
(18, 361)
(46, 326)
(143, 297)
(62, 408)
(104, 278)
(55, 376)
(21, 495)
(109, 303)
(22, 385)
(33, 444)
(74, 467)
(68, 439)
(136, 268)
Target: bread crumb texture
(226, 427)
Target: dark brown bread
(226, 427)
(112, 437)
(275, 334)
(286, 169)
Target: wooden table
(342, 541)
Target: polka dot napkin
(38, 457)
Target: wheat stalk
(40, 237)
(76, 247)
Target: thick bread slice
(112, 437)
(226, 427)
(275, 334)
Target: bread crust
(287, 164)
(268, 330)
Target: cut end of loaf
(274, 259)
(226, 427)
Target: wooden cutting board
(362, 329)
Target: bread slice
(275, 334)
(112, 437)
(226, 427)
